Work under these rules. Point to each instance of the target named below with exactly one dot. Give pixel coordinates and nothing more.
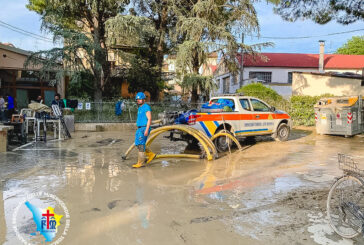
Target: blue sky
(15, 13)
(272, 25)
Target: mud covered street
(270, 193)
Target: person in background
(10, 107)
(2, 108)
(57, 101)
(39, 99)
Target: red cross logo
(48, 215)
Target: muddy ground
(270, 193)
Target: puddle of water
(321, 231)
(287, 183)
(253, 225)
(100, 188)
(319, 178)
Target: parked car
(248, 117)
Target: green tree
(162, 18)
(68, 60)
(260, 91)
(203, 84)
(321, 11)
(157, 42)
(353, 46)
(83, 88)
(83, 26)
(142, 69)
(206, 25)
(143, 76)
(266, 94)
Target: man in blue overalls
(144, 121)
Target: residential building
(275, 69)
(25, 84)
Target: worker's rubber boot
(141, 160)
(150, 156)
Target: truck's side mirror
(272, 109)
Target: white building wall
(220, 82)
(317, 84)
(233, 87)
(279, 78)
(283, 90)
(279, 75)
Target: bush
(260, 91)
(302, 109)
(266, 94)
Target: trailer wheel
(222, 143)
(192, 143)
(282, 133)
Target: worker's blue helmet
(140, 96)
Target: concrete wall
(284, 90)
(3, 140)
(316, 84)
(4, 137)
(12, 60)
(2, 215)
(104, 126)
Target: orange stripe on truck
(232, 117)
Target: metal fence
(104, 112)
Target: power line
(31, 33)
(306, 37)
(34, 35)
(41, 39)
(24, 32)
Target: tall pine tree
(210, 25)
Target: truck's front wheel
(283, 132)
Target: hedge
(299, 107)
(302, 108)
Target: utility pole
(242, 61)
